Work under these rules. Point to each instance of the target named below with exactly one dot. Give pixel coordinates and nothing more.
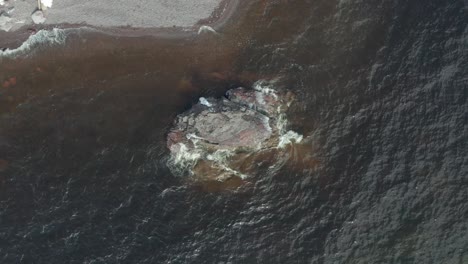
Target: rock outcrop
(207, 139)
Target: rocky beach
(163, 18)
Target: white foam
(261, 86)
(205, 29)
(260, 98)
(281, 123)
(194, 138)
(41, 38)
(238, 174)
(220, 156)
(205, 102)
(184, 158)
(289, 138)
(2, 2)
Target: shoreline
(218, 19)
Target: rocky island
(210, 140)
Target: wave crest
(42, 38)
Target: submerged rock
(207, 140)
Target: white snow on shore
(47, 3)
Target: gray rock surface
(139, 13)
(224, 124)
(244, 122)
(38, 17)
(113, 13)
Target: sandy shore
(160, 18)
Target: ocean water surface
(381, 175)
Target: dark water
(381, 178)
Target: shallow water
(380, 178)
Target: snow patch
(47, 3)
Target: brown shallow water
(381, 97)
(117, 82)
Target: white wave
(220, 156)
(184, 156)
(289, 138)
(264, 87)
(234, 172)
(41, 38)
(206, 29)
(281, 123)
(260, 98)
(205, 102)
(266, 124)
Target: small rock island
(209, 140)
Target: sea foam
(41, 38)
(289, 137)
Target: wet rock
(266, 102)
(209, 136)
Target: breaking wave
(289, 137)
(43, 38)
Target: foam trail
(41, 38)
(264, 87)
(185, 157)
(289, 138)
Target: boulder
(214, 132)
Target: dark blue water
(381, 177)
